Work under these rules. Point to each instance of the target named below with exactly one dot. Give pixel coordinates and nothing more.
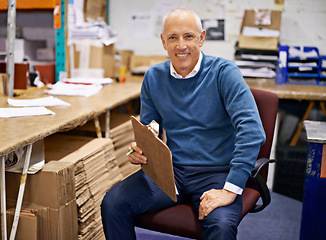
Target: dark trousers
(138, 194)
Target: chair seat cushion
(178, 220)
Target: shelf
(30, 4)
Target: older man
(213, 130)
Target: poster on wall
(141, 25)
(214, 29)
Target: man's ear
(163, 42)
(202, 38)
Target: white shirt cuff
(233, 188)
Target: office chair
(181, 220)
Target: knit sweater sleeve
(148, 111)
(241, 107)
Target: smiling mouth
(182, 55)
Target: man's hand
(213, 199)
(136, 157)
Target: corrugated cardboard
(64, 223)
(95, 9)
(41, 213)
(266, 43)
(27, 227)
(93, 56)
(53, 186)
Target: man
(213, 130)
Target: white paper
(140, 25)
(257, 72)
(23, 112)
(88, 80)
(260, 32)
(38, 102)
(70, 89)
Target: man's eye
(189, 36)
(171, 38)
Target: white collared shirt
(174, 73)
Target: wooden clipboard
(159, 159)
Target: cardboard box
(266, 43)
(25, 229)
(95, 9)
(47, 71)
(92, 58)
(139, 64)
(64, 222)
(53, 186)
(39, 222)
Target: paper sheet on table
(38, 102)
(159, 159)
(24, 112)
(69, 89)
(85, 80)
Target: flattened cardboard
(159, 159)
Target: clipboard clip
(154, 127)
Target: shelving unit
(299, 65)
(322, 70)
(30, 4)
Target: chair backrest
(267, 104)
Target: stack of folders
(122, 136)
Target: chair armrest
(261, 183)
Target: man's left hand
(213, 199)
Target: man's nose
(181, 44)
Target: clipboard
(159, 159)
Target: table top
(290, 91)
(21, 131)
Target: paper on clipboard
(159, 160)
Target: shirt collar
(174, 73)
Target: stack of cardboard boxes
(62, 201)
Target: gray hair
(178, 11)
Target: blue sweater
(210, 119)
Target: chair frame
(181, 220)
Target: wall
(303, 22)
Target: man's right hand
(136, 157)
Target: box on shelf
(139, 64)
(259, 42)
(91, 58)
(21, 74)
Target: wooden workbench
(24, 131)
(17, 132)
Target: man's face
(182, 41)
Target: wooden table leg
(97, 127)
(300, 124)
(107, 124)
(322, 106)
